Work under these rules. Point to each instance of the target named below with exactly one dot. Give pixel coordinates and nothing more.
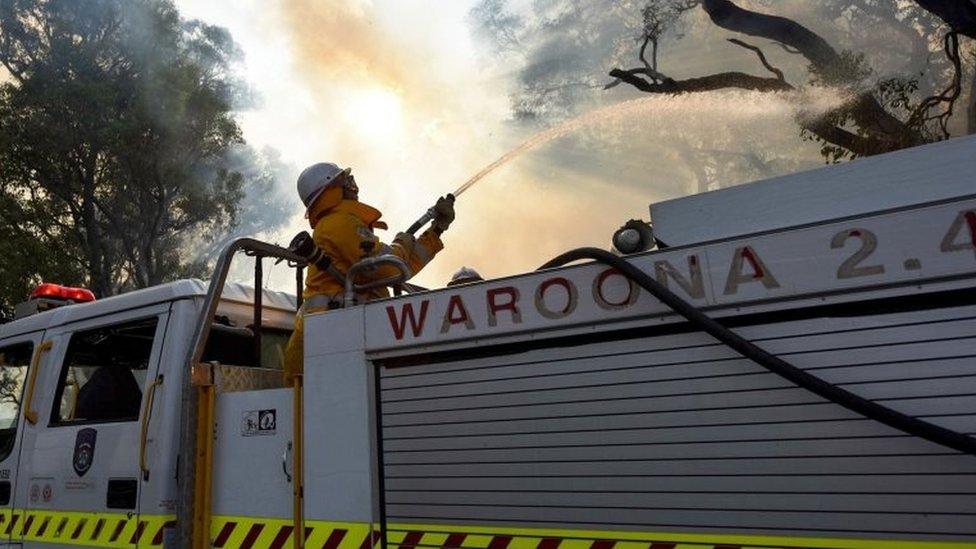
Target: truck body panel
(561, 402)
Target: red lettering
(750, 256)
(602, 301)
(965, 219)
(571, 298)
(399, 325)
(511, 305)
(760, 272)
(456, 314)
(971, 221)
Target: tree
(884, 117)
(120, 157)
(901, 63)
(28, 259)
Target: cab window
(14, 361)
(104, 373)
(234, 346)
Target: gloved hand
(443, 213)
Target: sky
(404, 93)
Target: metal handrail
(298, 463)
(29, 413)
(147, 411)
(188, 402)
(372, 262)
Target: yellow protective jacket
(345, 234)
(344, 230)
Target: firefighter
(342, 227)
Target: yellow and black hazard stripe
(124, 530)
(440, 536)
(264, 533)
(85, 529)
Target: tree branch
(723, 80)
(641, 54)
(762, 57)
(786, 48)
(655, 76)
(920, 114)
(856, 144)
(731, 17)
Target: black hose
(419, 224)
(776, 365)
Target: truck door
(16, 355)
(80, 477)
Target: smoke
(340, 40)
(394, 95)
(268, 202)
(389, 102)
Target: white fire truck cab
(90, 408)
(797, 368)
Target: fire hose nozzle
(426, 218)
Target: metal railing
(193, 513)
(352, 289)
(187, 514)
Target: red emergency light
(67, 293)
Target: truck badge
(84, 451)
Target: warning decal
(259, 422)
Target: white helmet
(316, 178)
(465, 275)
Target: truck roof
(171, 291)
(906, 178)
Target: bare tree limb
(731, 17)
(762, 57)
(920, 114)
(786, 48)
(856, 144)
(643, 50)
(723, 80)
(655, 76)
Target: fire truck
(789, 363)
